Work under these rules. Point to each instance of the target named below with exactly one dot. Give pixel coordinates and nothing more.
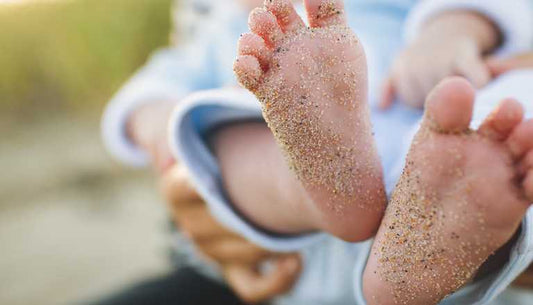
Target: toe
(525, 164)
(527, 184)
(449, 106)
(248, 71)
(284, 11)
(252, 44)
(264, 24)
(521, 139)
(323, 13)
(503, 120)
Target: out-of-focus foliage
(72, 55)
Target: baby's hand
(499, 66)
(147, 128)
(452, 44)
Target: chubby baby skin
(312, 85)
(453, 43)
(462, 196)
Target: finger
(472, 67)
(426, 84)
(408, 91)
(254, 287)
(405, 85)
(387, 94)
(432, 74)
(498, 66)
(198, 223)
(177, 188)
(233, 250)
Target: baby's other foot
(461, 197)
(312, 85)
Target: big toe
(449, 106)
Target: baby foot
(312, 84)
(461, 197)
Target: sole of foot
(312, 85)
(461, 197)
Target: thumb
(387, 94)
(473, 68)
(253, 286)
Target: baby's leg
(258, 181)
(312, 84)
(461, 196)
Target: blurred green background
(72, 55)
(74, 224)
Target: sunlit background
(73, 224)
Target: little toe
(265, 24)
(248, 71)
(322, 13)
(499, 125)
(449, 106)
(252, 44)
(521, 139)
(288, 18)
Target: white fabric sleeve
(514, 19)
(169, 75)
(193, 119)
(514, 84)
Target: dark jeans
(185, 286)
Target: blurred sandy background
(73, 224)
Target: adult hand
(239, 260)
